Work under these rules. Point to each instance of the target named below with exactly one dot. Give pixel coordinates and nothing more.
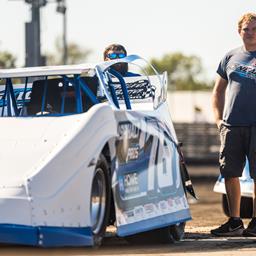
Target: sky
(149, 28)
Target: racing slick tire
(246, 207)
(100, 200)
(164, 235)
(177, 231)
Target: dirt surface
(206, 212)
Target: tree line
(185, 72)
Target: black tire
(164, 235)
(178, 230)
(100, 200)
(246, 208)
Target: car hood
(27, 143)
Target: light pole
(32, 35)
(61, 8)
(33, 55)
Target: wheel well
(112, 215)
(106, 153)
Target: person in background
(117, 51)
(234, 107)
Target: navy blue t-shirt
(238, 67)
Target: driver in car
(117, 51)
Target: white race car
(83, 147)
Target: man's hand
(219, 122)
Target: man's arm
(218, 99)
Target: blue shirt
(238, 67)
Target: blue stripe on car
(45, 236)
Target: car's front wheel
(100, 200)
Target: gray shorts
(237, 143)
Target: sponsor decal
(131, 183)
(133, 153)
(245, 70)
(149, 183)
(151, 210)
(128, 131)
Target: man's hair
(246, 18)
(113, 47)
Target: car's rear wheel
(164, 235)
(100, 200)
(246, 207)
(178, 230)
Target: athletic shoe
(251, 229)
(230, 228)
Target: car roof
(64, 69)
(46, 70)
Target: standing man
(234, 107)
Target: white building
(190, 106)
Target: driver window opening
(48, 96)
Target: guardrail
(200, 142)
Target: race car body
(83, 147)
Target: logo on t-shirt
(245, 70)
(253, 62)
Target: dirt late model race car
(83, 147)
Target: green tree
(7, 59)
(184, 72)
(75, 54)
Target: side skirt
(44, 236)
